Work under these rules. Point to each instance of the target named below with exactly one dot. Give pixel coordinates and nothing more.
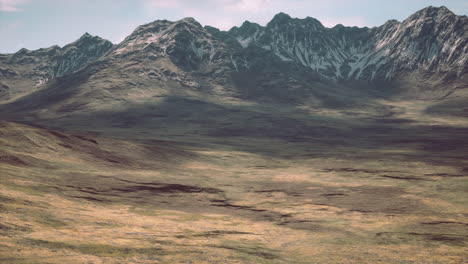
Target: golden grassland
(82, 198)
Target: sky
(34, 24)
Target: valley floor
(308, 186)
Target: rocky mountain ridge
(26, 69)
(432, 39)
(287, 52)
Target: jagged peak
(282, 15)
(283, 18)
(153, 27)
(159, 25)
(250, 24)
(39, 51)
(50, 50)
(246, 26)
(280, 18)
(186, 25)
(154, 23)
(431, 11)
(54, 47)
(340, 29)
(441, 9)
(86, 40)
(390, 23)
(86, 35)
(22, 51)
(190, 21)
(311, 20)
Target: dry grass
(78, 198)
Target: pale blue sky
(34, 24)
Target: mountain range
(430, 44)
(289, 62)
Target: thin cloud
(11, 5)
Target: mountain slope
(24, 70)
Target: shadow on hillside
(274, 132)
